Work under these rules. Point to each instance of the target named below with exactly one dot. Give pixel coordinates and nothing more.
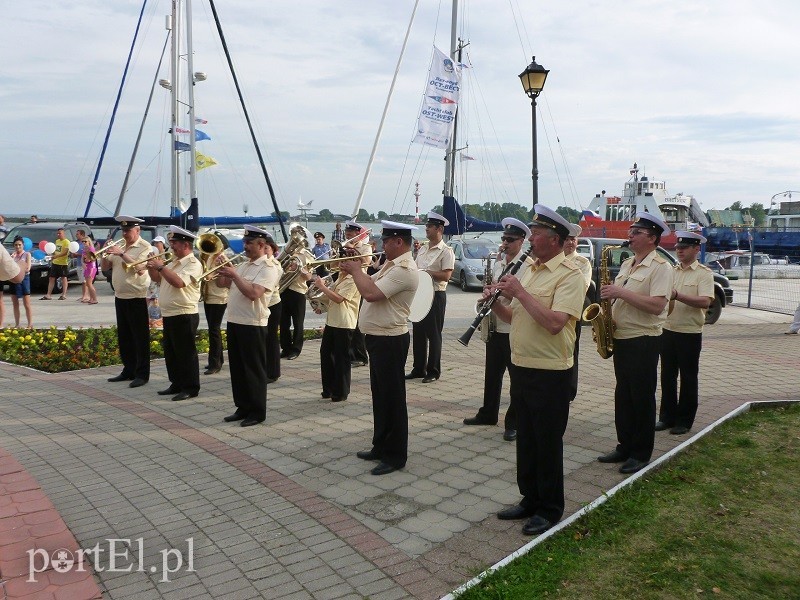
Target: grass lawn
(720, 521)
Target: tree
(382, 216)
(570, 214)
(326, 215)
(363, 216)
(735, 206)
(759, 213)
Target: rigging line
(570, 182)
(553, 158)
(529, 51)
(383, 117)
(114, 113)
(247, 117)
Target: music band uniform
(498, 348)
(334, 350)
(130, 304)
(636, 349)
(682, 340)
(541, 362)
(293, 316)
(215, 302)
(273, 327)
(585, 266)
(247, 335)
(427, 333)
(179, 311)
(358, 347)
(385, 327)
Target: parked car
(592, 248)
(36, 232)
(470, 261)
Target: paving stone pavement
(286, 510)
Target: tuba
(489, 322)
(599, 314)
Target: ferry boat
(611, 216)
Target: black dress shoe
(515, 512)
(284, 353)
(210, 371)
(358, 363)
(183, 396)
(661, 425)
(325, 394)
(536, 525)
(250, 422)
(338, 398)
(615, 456)
(679, 430)
(384, 468)
(292, 356)
(510, 435)
(430, 379)
(168, 392)
(632, 465)
(477, 421)
(120, 377)
(237, 416)
(368, 455)
(138, 382)
(414, 375)
(272, 379)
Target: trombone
(101, 253)
(330, 261)
(167, 256)
(206, 275)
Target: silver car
(471, 261)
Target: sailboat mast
(190, 79)
(174, 25)
(451, 147)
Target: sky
(703, 95)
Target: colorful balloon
(38, 254)
(27, 244)
(49, 247)
(42, 244)
(74, 247)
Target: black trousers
(214, 314)
(680, 355)
(334, 358)
(358, 349)
(541, 398)
(293, 313)
(180, 352)
(247, 358)
(428, 339)
(573, 379)
(133, 336)
(636, 369)
(387, 360)
(498, 359)
(273, 344)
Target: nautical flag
(693, 226)
(438, 113)
(201, 121)
(180, 130)
(200, 135)
(466, 157)
(202, 161)
(590, 216)
(182, 146)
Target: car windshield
(477, 251)
(36, 235)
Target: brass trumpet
(206, 275)
(101, 253)
(166, 256)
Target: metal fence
(762, 264)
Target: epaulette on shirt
(659, 259)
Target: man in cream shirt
(585, 266)
(178, 299)
(383, 319)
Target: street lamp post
(533, 78)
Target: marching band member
(274, 321)
(293, 316)
(585, 266)
(251, 284)
(546, 302)
(358, 349)
(130, 302)
(334, 351)
(383, 319)
(178, 298)
(682, 338)
(640, 293)
(438, 260)
(498, 350)
(215, 302)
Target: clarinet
(487, 306)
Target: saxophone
(489, 322)
(599, 315)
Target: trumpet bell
(210, 243)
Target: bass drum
(423, 299)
